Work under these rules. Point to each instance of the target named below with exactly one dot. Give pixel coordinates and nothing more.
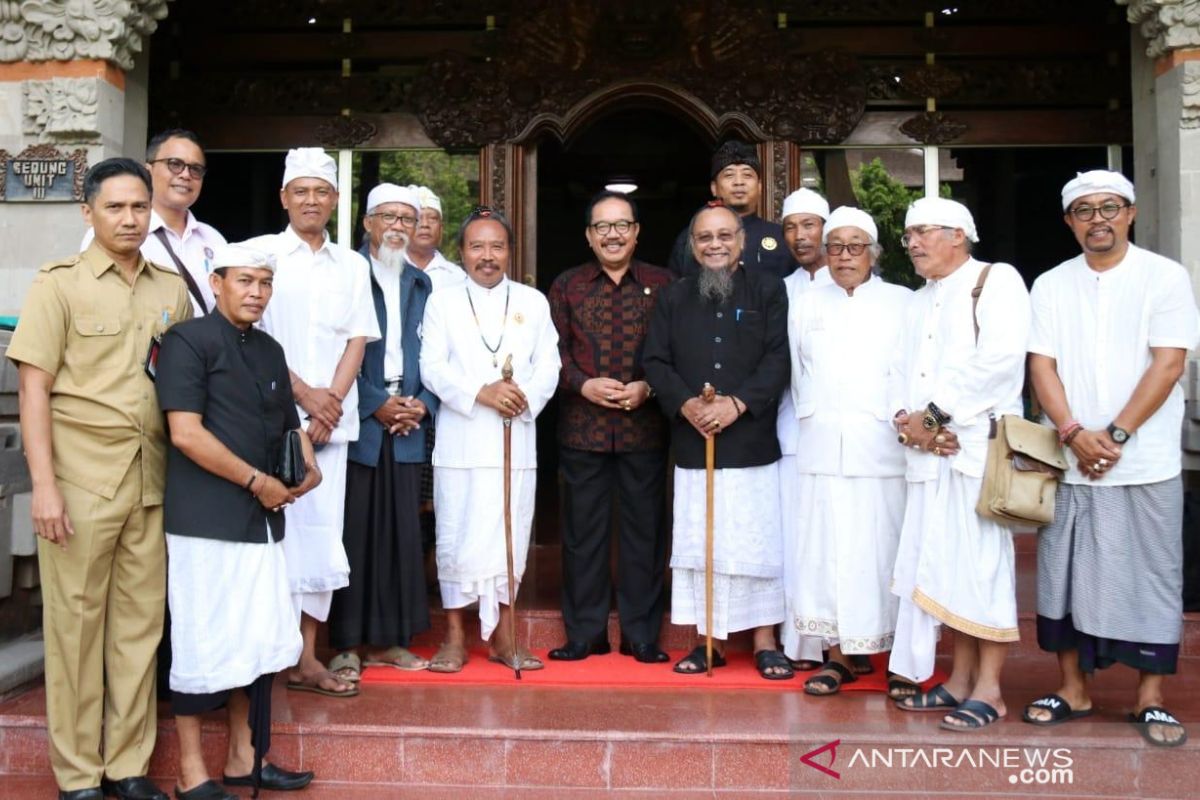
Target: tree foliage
(886, 200)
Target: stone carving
(344, 133)
(1191, 95)
(1166, 24)
(64, 30)
(561, 53)
(933, 127)
(62, 109)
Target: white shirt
(844, 388)
(456, 363)
(322, 300)
(442, 272)
(1099, 327)
(388, 279)
(939, 360)
(195, 249)
(796, 284)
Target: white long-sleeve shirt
(456, 363)
(797, 284)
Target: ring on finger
(940, 438)
(1096, 467)
(937, 451)
(1103, 462)
(902, 438)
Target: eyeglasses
(197, 171)
(919, 231)
(854, 248)
(621, 226)
(1086, 213)
(705, 239)
(391, 219)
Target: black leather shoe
(274, 778)
(577, 651)
(645, 652)
(209, 790)
(136, 788)
(93, 793)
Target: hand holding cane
(506, 372)
(708, 394)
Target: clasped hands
(273, 495)
(1095, 451)
(324, 408)
(401, 415)
(710, 418)
(505, 397)
(941, 442)
(612, 393)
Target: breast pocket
(98, 342)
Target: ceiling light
(623, 184)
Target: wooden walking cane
(506, 372)
(710, 460)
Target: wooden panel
(1059, 127)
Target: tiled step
(576, 743)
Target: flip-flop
(449, 658)
(529, 662)
(1060, 711)
(936, 699)
(1157, 715)
(897, 684)
(397, 658)
(347, 662)
(974, 714)
(765, 660)
(315, 687)
(822, 685)
(696, 659)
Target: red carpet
(613, 670)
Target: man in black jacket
(727, 327)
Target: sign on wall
(41, 173)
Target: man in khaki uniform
(95, 444)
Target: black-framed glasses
(621, 226)
(176, 167)
(919, 231)
(407, 220)
(854, 248)
(705, 239)
(1108, 211)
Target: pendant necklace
(490, 349)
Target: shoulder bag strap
(191, 282)
(978, 290)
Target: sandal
(804, 665)
(861, 665)
(449, 658)
(314, 685)
(529, 662)
(1060, 711)
(824, 683)
(1157, 715)
(974, 714)
(765, 660)
(936, 699)
(347, 666)
(696, 663)
(398, 658)
(900, 688)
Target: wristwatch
(1119, 435)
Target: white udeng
(468, 457)
(849, 486)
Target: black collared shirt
(238, 381)
(765, 250)
(740, 347)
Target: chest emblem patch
(769, 243)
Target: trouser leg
(642, 544)
(587, 582)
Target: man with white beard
(385, 604)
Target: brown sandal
(448, 658)
(529, 662)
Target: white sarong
(747, 549)
(316, 558)
(232, 618)
(837, 589)
(952, 567)
(471, 555)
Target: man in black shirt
(727, 327)
(736, 180)
(224, 387)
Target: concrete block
(25, 575)
(22, 661)
(24, 540)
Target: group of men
(848, 420)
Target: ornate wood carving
(342, 132)
(723, 54)
(931, 80)
(933, 127)
(779, 176)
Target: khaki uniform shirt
(88, 327)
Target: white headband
(237, 255)
(847, 217)
(391, 193)
(940, 211)
(1097, 181)
(805, 201)
(309, 162)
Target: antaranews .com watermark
(1019, 766)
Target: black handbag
(291, 469)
